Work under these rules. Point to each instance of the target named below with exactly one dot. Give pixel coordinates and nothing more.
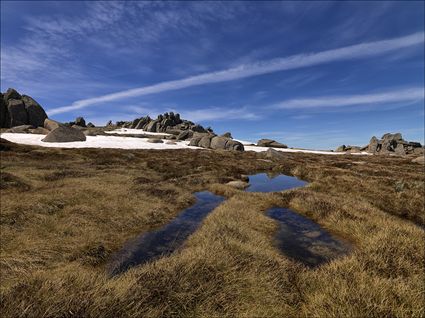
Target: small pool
(263, 183)
(304, 240)
(167, 239)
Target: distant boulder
(226, 144)
(211, 141)
(155, 141)
(65, 134)
(90, 125)
(341, 148)
(80, 121)
(274, 154)
(270, 143)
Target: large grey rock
(11, 94)
(226, 144)
(234, 145)
(51, 124)
(218, 142)
(17, 112)
(91, 125)
(389, 142)
(270, 143)
(65, 134)
(36, 113)
(227, 135)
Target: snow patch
(96, 142)
(116, 142)
(260, 149)
(124, 131)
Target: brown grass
(65, 211)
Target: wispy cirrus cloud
(393, 96)
(218, 113)
(353, 52)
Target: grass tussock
(58, 234)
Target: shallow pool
(261, 182)
(168, 238)
(304, 240)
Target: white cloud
(216, 113)
(353, 52)
(393, 96)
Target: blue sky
(310, 74)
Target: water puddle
(304, 240)
(261, 182)
(167, 239)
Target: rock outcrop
(168, 123)
(270, 143)
(181, 129)
(389, 144)
(18, 110)
(393, 144)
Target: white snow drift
(116, 142)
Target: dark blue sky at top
(65, 52)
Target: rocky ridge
(389, 144)
(181, 129)
(18, 110)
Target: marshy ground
(64, 212)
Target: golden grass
(64, 212)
